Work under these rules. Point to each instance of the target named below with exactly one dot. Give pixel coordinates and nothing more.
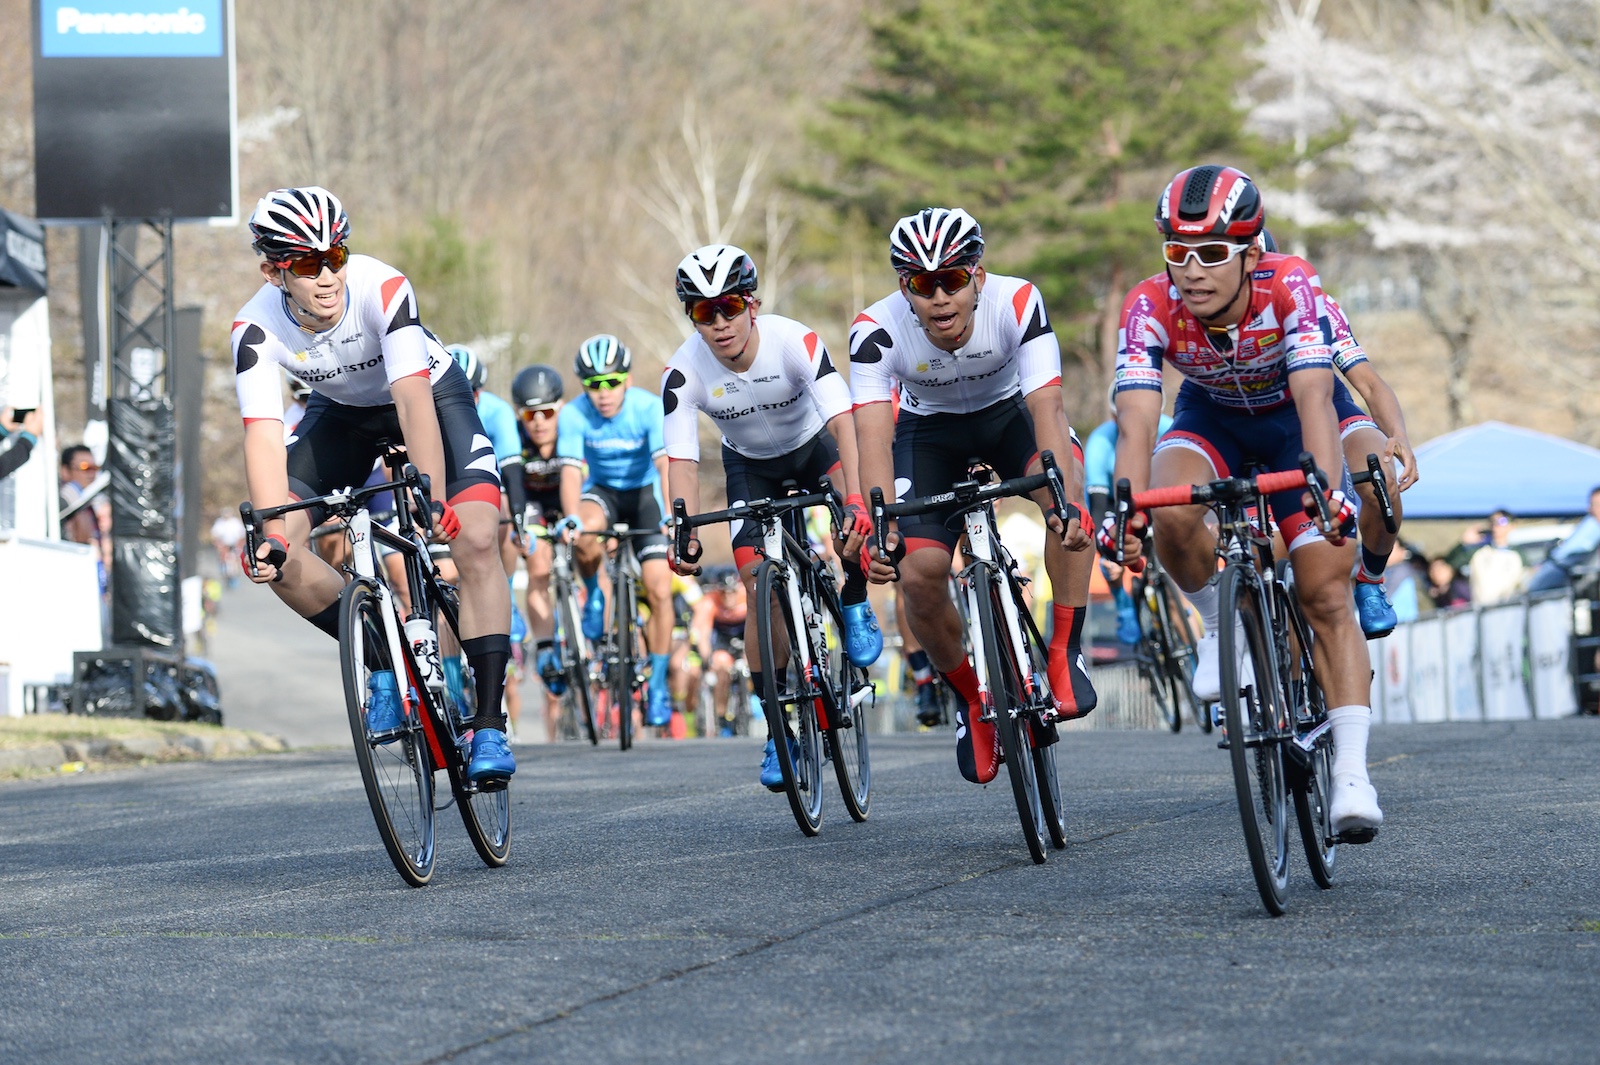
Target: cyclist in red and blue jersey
(770, 386)
(347, 325)
(615, 429)
(979, 371)
(1241, 326)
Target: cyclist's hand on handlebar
(881, 569)
(267, 566)
(1074, 535)
(445, 521)
(857, 526)
(567, 528)
(1133, 538)
(679, 566)
(1397, 447)
(1341, 516)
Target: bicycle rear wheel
(577, 700)
(1007, 695)
(395, 769)
(1178, 647)
(846, 735)
(1257, 726)
(1310, 772)
(486, 813)
(779, 640)
(622, 680)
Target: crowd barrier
(1507, 662)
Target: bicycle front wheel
(395, 766)
(785, 691)
(1008, 696)
(1256, 722)
(486, 814)
(846, 735)
(622, 681)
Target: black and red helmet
(1214, 201)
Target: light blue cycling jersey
(500, 422)
(1100, 453)
(621, 451)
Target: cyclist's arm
(569, 449)
(571, 489)
(1138, 419)
(1319, 426)
(419, 425)
(1051, 434)
(1384, 406)
(842, 427)
(266, 470)
(874, 431)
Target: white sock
(1205, 603)
(1351, 724)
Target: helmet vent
(1196, 202)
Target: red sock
(1069, 676)
(976, 754)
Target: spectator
(17, 437)
(1495, 571)
(227, 534)
(1556, 571)
(1446, 587)
(1472, 538)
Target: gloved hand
(445, 520)
(277, 554)
(856, 518)
(1105, 539)
(1341, 516)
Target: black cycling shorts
(751, 479)
(335, 445)
(637, 509)
(934, 451)
(544, 508)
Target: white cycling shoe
(1207, 682)
(1353, 808)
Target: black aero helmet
(535, 386)
(600, 355)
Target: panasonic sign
(149, 28)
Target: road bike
(1275, 725)
(398, 765)
(736, 717)
(620, 655)
(1008, 651)
(571, 647)
(812, 694)
(1165, 652)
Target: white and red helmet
(934, 238)
(291, 222)
(1216, 201)
(713, 271)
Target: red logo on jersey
(390, 287)
(811, 345)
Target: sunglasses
(532, 413)
(87, 466)
(311, 265)
(1210, 253)
(952, 279)
(731, 306)
(605, 382)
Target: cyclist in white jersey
(347, 325)
(979, 372)
(770, 386)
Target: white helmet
(714, 270)
(291, 222)
(934, 238)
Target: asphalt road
(660, 906)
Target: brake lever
(880, 530)
(1380, 490)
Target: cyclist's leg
(1361, 437)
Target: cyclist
(348, 325)
(500, 423)
(616, 430)
(769, 385)
(979, 372)
(719, 632)
(1099, 460)
(1383, 433)
(1243, 326)
(536, 397)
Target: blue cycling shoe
(862, 638)
(383, 704)
(771, 771)
(549, 666)
(594, 615)
(659, 710)
(519, 627)
(1377, 616)
(491, 757)
(1127, 626)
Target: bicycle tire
(1151, 654)
(485, 813)
(846, 735)
(622, 680)
(1310, 772)
(397, 776)
(578, 699)
(1179, 650)
(1254, 716)
(802, 777)
(1006, 694)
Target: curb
(132, 750)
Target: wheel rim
(1256, 729)
(848, 746)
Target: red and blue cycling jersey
(1245, 368)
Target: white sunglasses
(1210, 253)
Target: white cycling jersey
(782, 401)
(1012, 348)
(378, 341)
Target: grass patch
(16, 732)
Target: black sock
(758, 684)
(488, 656)
(855, 586)
(921, 668)
(327, 619)
(1372, 563)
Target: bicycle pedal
(1354, 836)
(491, 784)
